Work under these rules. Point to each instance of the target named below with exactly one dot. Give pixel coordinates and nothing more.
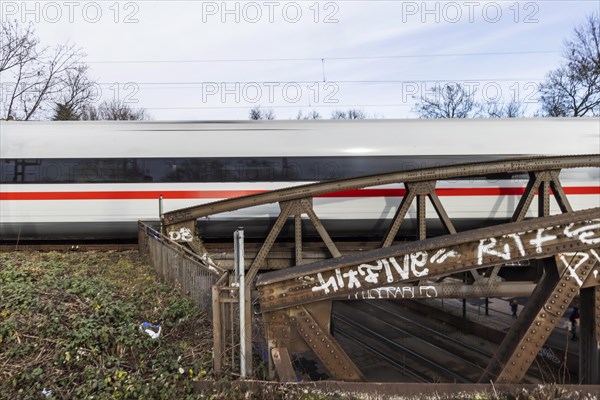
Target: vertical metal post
(217, 331)
(238, 238)
(487, 306)
(160, 211)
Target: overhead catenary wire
(341, 82)
(323, 59)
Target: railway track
(401, 367)
(417, 354)
(539, 372)
(449, 359)
(557, 360)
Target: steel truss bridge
(295, 303)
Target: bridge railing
(179, 267)
(206, 284)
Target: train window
(213, 169)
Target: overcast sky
(216, 60)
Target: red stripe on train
(225, 194)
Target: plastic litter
(151, 330)
(47, 393)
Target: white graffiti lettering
(183, 234)
(324, 286)
(517, 238)
(412, 266)
(418, 265)
(352, 281)
(540, 239)
(419, 260)
(402, 272)
(488, 248)
(396, 292)
(372, 275)
(584, 234)
(442, 255)
(582, 258)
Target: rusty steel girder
(431, 258)
(287, 296)
(574, 268)
(296, 303)
(517, 165)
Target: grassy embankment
(69, 323)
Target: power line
(296, 106)
(351, 82)
(322, 59)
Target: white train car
(62, 180)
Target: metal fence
(206, 284)
(178, 266)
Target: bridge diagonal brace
(542, 180)
(308, 209)
(283, 364)
(559, 193)
(525, 201)
(325, 347)
(441, 212)
(418, 190)
(398, 218)
(557, 293)
(287, 209)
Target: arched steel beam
(532, 164)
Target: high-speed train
(64, 180)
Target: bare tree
(452, 100)
(32, 77)
(573, 89)
(314, 114)
(352, 113)
(77, 94)
(496, 108)
(113, 110)
(258, 113)
(18, 45)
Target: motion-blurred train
(65, 180)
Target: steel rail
(408, 371)
(425, 328)
(406, 349)
(515, 165)
(421, 339)
(445, 337)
